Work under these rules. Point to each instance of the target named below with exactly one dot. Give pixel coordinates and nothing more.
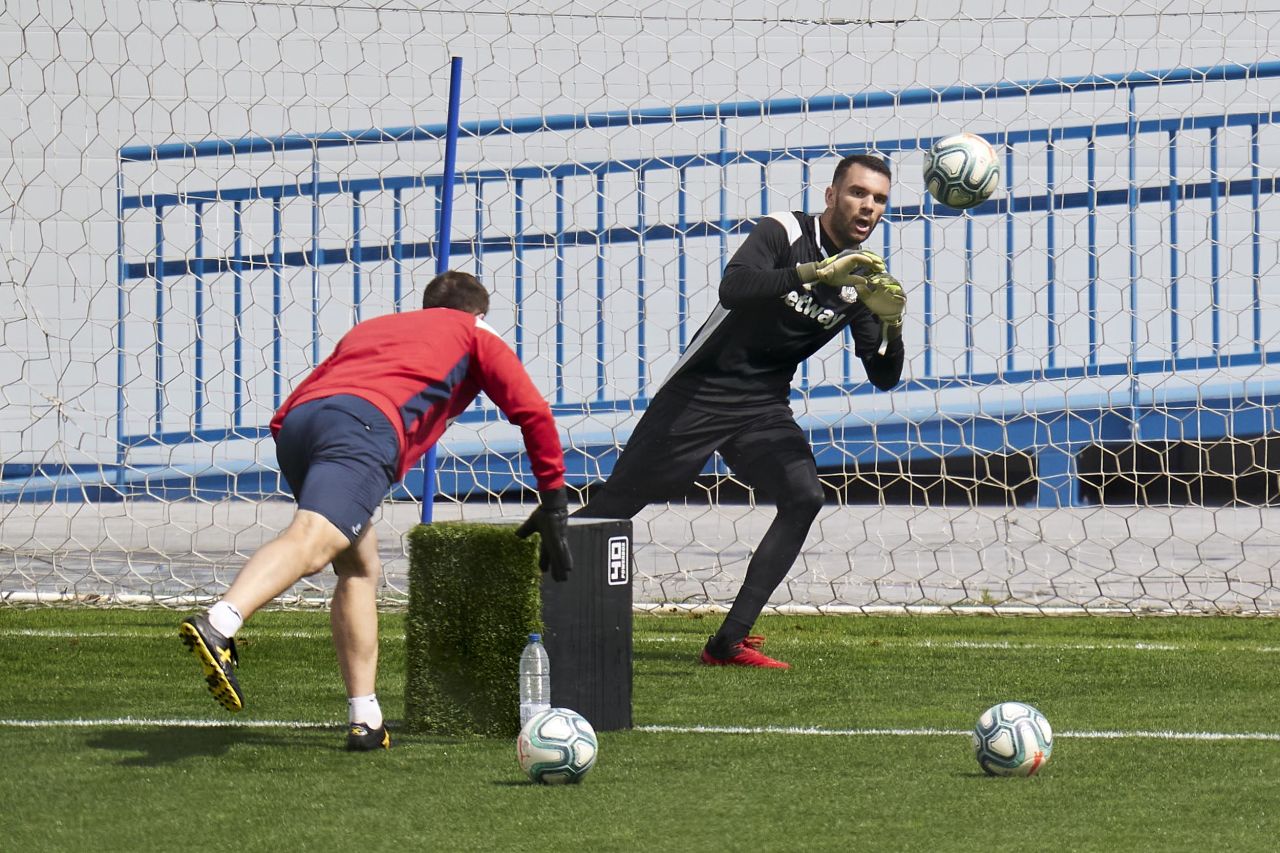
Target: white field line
(870, 642)
(1082, 735)
(147, 723)
(143, 722)
(157, 634)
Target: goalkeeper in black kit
(796, 282)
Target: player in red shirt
(354, 426)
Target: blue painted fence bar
(701, 112)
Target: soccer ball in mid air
(962, 170)
(557, 747)
(1012, 739)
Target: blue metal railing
(1051, 201)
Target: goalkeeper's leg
(669, 446)
(777, 460)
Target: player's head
(458, 290)
(856, 199)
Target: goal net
(201, 198)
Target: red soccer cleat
(743, 653)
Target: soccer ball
(1012, 739)
(962, 170)
(556, 747)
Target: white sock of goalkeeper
(225, 619)
(364, 709)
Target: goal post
(1088, 418)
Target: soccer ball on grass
(557, 747)
(961, 171)
(1012, 739)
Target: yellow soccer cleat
(217, 656)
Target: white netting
(1089, 418)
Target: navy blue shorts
(339, 455)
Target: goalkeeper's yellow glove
(842, 270)
(884, 297)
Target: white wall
(84, 78)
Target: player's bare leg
(353, 618)
(305, 547)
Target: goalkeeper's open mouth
(862, 227)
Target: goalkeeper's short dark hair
(458, 290)
(867, 161)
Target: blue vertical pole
(1255, 238)
(559, 262)
(518, 261)
(121, 310)
(1051, 251)
(198, 264)
(927, 285)
(682, 259)
(724, 195)
(1010, 321)
(886, 226)
(277, 304)
(397, 248)
(806, 175)
(1133, 256)
(969, 253)
(442, 255)
(1173, 247)
(600, 285)
(642, 379)
(315, 257)
(357, 286)
(159, 280)
(1091, 195)
(237, 394)
(479, 242)
(1215, 241)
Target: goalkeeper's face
(855, 205)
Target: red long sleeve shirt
(422, 369)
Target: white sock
(364, 709)
(225, 619)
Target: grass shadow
(169, 744)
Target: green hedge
(474, 597)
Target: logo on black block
(619, 560)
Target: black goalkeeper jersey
(766, 323)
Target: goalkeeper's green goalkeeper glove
(884, 297)
(832, 280)
(841, 270)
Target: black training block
(587, 624)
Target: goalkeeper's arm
(753, 274)
(883, 296)
(884, 369)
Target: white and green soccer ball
(961, 171)
(1012, 739)
(557, 747)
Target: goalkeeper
(353, 427)
(796, 282)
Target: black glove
(550, 521)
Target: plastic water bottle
(535, 679)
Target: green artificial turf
(721, 759)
